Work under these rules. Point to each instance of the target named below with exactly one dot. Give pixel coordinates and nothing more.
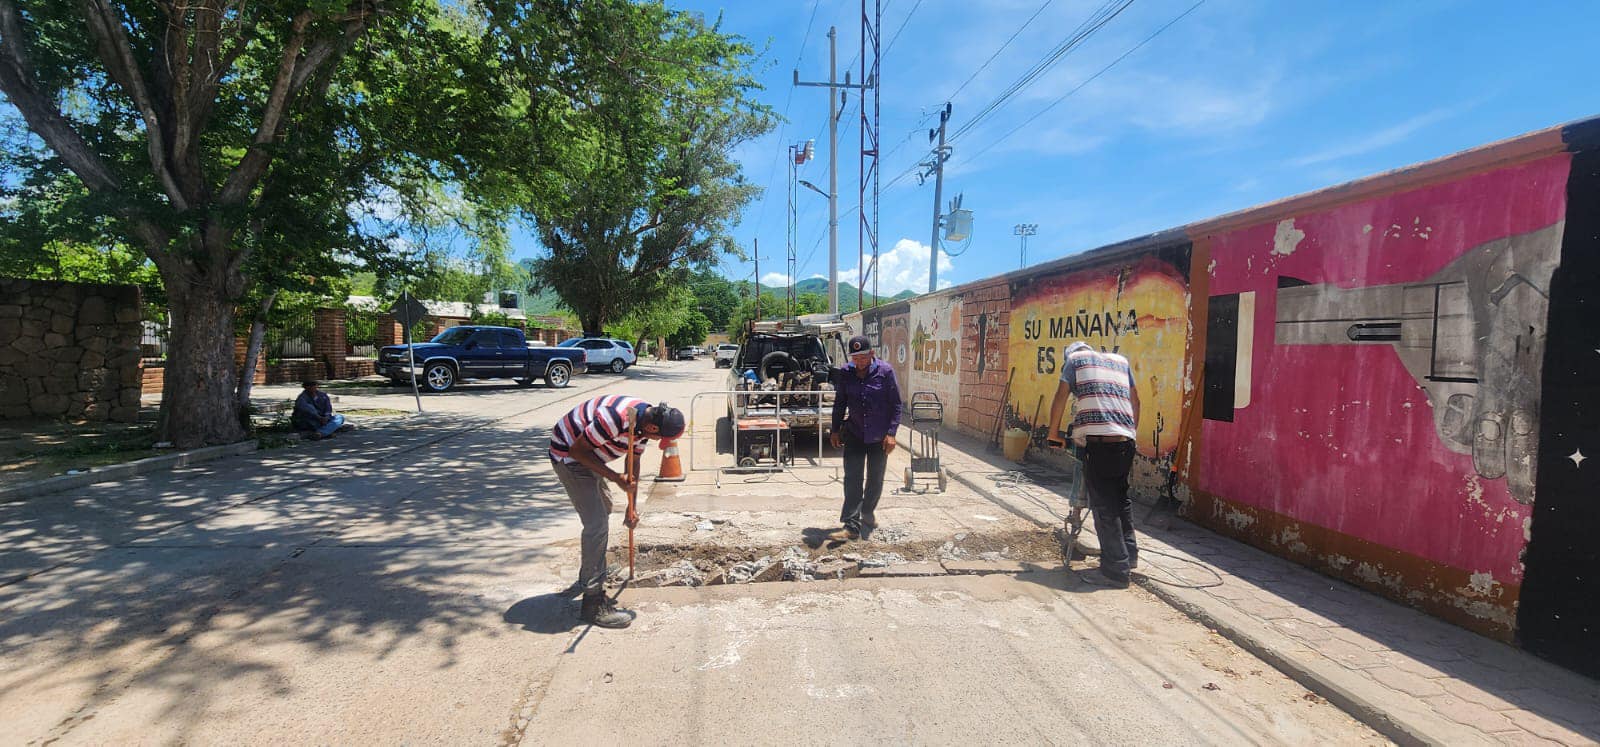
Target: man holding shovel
(582, 442)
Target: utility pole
(832, 85)
(936, 167)
(757, 244)
(1023, 231)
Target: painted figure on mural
(866, 416)
(1105, 417)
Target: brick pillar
(328, 342)
(390, 331)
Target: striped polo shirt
(603, 422)
(1102, 386)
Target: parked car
(479, 352)
(604, 352)
(725, 354)
(685, 354)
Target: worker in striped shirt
(1105, 424)
(582, 442)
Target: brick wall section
(356, 368)
(154, 375)
(328, 344)
(241, 345)
(390, 332)
(990, 306)
(69, 350)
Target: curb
(1330, 681)
(125, 470)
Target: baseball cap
(670, 421)
(859, 344)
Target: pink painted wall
(1344, 436)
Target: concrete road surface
(395, 585)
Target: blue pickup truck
(477, 352)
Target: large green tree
(243, 146)
(647, 188)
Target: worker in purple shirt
(866, 416)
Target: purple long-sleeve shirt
(868, 408)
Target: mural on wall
(1139, 308)
(935, 326)
(1373, 371)
(891, 340)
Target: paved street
(396, 585)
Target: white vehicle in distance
(725, 354)
(604, 353)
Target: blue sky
(1240, 102)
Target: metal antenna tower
(799, 154)
(871, 40)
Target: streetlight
(815, 188)
(1024, 230)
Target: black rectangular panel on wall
(1558, 615)
(1222, 350)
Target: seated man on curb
(313, 413)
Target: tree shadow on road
(185, 589)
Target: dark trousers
(863, 480)
(1105, 468)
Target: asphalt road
(396, 584)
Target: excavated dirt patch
(813, 559)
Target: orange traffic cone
(671, 464)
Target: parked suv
(604, 352)
(725, 354)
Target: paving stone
(903, 570)
(1542, 727)
(1471, 714)
(1349, 654)
(1404, 662)
(1302, 630)
(1406, 682)
(1262, 609)
(1470, 692)
(982, 567)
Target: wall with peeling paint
(1357, 378)
(1385, 356)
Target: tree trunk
(198, 404)
(252, 351)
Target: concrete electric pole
(833, 160)
(936, 167)
(1023, 231)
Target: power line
(997, 52)
(1096, 22)
(903, 23)
(1086, 82)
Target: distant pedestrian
(866, 416)
(1105, 423)
(582, 442)
(313, 413)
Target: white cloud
(1382, 138)
(905, 267)
(775, 280)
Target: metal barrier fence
(361, 331)
(768, 431)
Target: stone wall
(69, 350)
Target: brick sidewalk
(1413, 677)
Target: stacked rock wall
(69, 350)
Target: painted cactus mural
(1139, 308)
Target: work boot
(598, 610)
(843, 533)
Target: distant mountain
(546, 302)
(848, 295)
